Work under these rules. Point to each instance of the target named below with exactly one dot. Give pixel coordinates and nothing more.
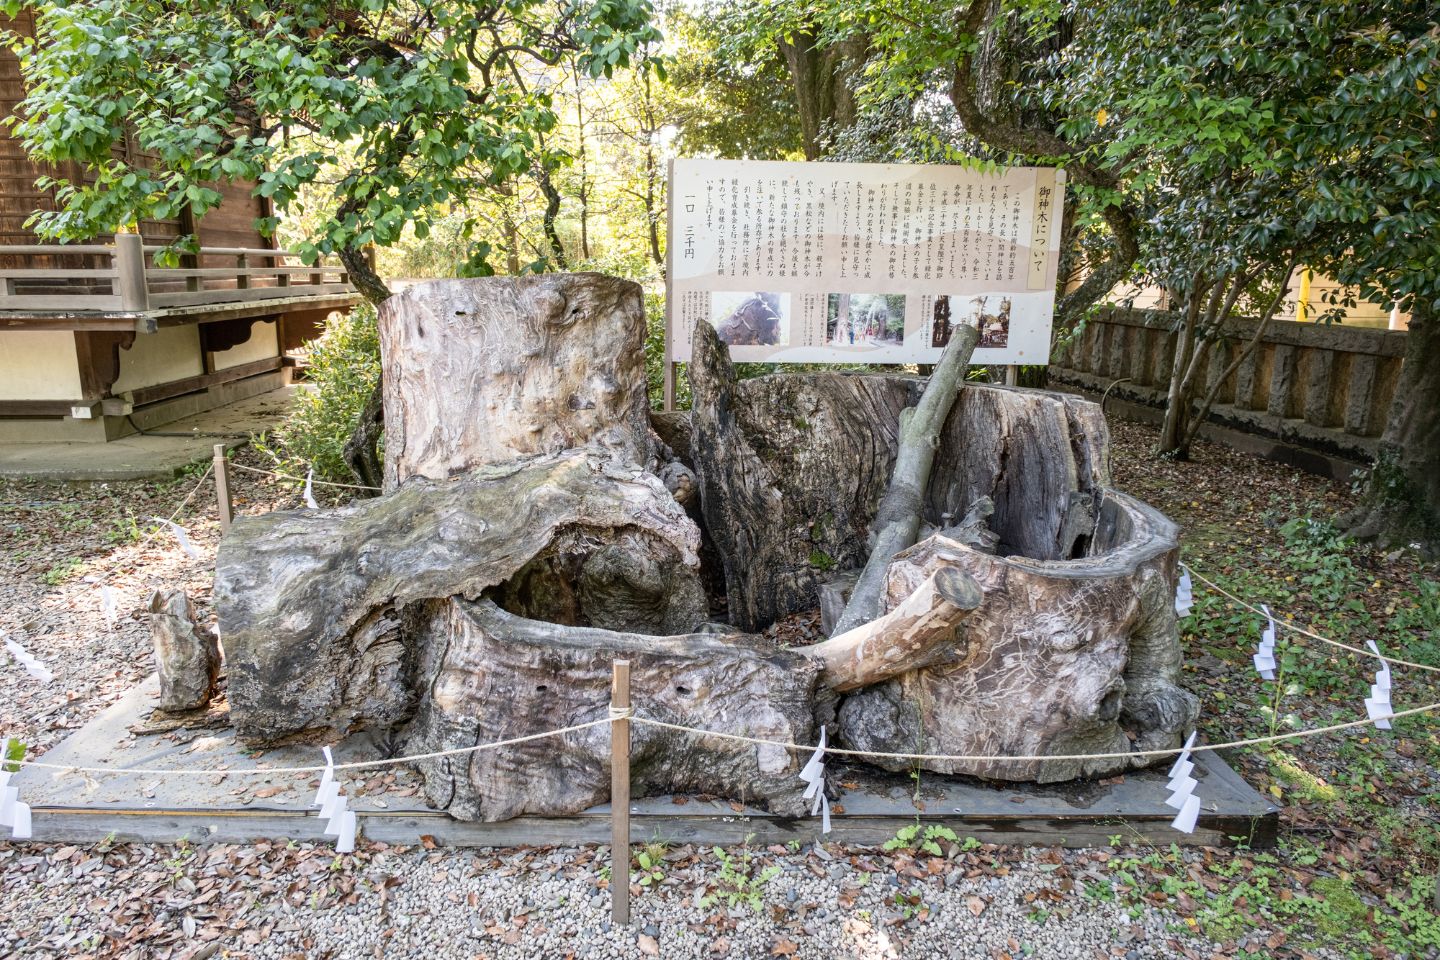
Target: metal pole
(222, 489)
(620, 795)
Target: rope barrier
(286, 476)
(627, 713)
(65, 768)
(1168, 752)
(1302, 631)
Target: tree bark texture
(528, 539)
(897, 518)
(1062, 657)
(494, 676)
(357, 618)
(790, 469)
(485, 371)
(310, 602)
(1076, 651)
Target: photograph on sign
(865, 321)
(745, 319)
(875, 263)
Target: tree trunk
(362, 450)
(1402, 496)
(790, 469)
(552, 212)
(488, 592)
(312, 604)
(1026, 138)
(1172, 428)
(821, 76)
(363, 276)
(486, 371)
(582, 162)
(897, 520)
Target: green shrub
(344, 366)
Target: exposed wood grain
(486, 371)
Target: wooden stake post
(620, 795)
(222, 489)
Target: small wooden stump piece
(187, 653)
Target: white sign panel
(860, 262)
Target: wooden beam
(175, 388)
(99, 322)
(41, 408)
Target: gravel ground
(271, 903)
(268, 900)
(58, 543)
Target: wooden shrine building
(97, 340)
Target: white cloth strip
(346, 834)
(107, 605)
(181, 536)
(1189, 813)
(310, 490)
(327, 779)
(1182, 762)
(1382, 676)
(32, 665)
(13, 813)
(1184, 594)
(1264, 658)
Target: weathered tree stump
(531, 533)
(485, 372)
(187, 653)
(311, 602)
(1077, 650)
(790, 470)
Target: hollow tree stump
(1074, 649)
(530, 534)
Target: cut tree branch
(897, 520)
(912, 636)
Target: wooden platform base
(873, 805)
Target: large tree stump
(529, 536)
(1076, 658)
(485, 371)
(1063, 657)
(310, 602)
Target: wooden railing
(1317, 387)
(123, 278)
